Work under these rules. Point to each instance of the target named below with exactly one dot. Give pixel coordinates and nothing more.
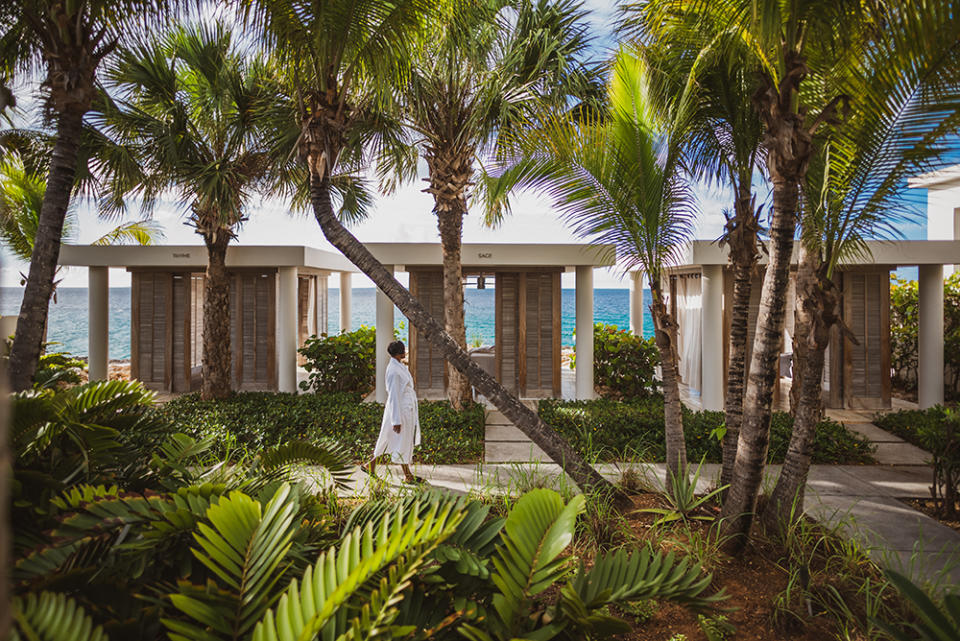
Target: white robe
(401, 409)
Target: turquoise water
(68, 316)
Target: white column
(711, 337)
(384, 338)
(98, 333)
(346, 298)
(287, 330)
(930, 336)
(636, 303)
(584, 311)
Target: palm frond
(53, 617)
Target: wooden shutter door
(507, 321)
(253, 320)
(866, 311)
(540, 338)
(427, 364)
(149, 336)
(180, 332)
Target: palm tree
(618, 178)
(21, 197)
(186, 105)
(473, 76)
(724, 146)
(342, 59)
(903, 121)
(786, 42)
(68, 40)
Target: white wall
(942, 201)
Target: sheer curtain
(689, 321)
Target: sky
(405, 216)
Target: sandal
(366, 470)
(416, 480)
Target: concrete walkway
(862, 501)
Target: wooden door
(427, 365)
(253, 312)
(150, 304)
(528, 332)
(866, 362)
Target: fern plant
(52, 617)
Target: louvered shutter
(427, 364)
(866, 311)
(541, 336)
(253, 321)
(507, 303)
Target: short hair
(396, 348)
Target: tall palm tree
(786, 41)
(342, 60)
(68, 41)
(474, 75)
(618, 178)
(904, 120)
(186, 104)
(724, 145)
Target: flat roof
(881, 252)
(195, 257)
(946, 177)
(491, 255)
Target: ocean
(68, 315)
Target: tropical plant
(48, 616)
(474, 75)
(618, 179)
(682, 499)
(935, 624)
(903, 115)
(724, 146)
(904, 298)
(624, 364)
(67, 41)
(340, 62)
(185, 105)
(345, 362)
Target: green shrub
(624, 364)
(936, 430)
(909, 424)
(255, 420)
(341, 363)
(903, 332)
(617, 430)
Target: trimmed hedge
(254, 420)
(910, 425)
(622, 430)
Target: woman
(400, 429)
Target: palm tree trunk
(818, 305)
(28, 340)
(740, 502)
(450, 173)
(216, 318)
(587, 478)
(743, 255)
(672, 407)
(788, 142)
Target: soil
(751, 582)
(928, 507)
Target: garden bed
(610, 430)
(251, 421)
(911, 425)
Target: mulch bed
(928, 507)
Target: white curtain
(689, 320)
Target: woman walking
(400, 429)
